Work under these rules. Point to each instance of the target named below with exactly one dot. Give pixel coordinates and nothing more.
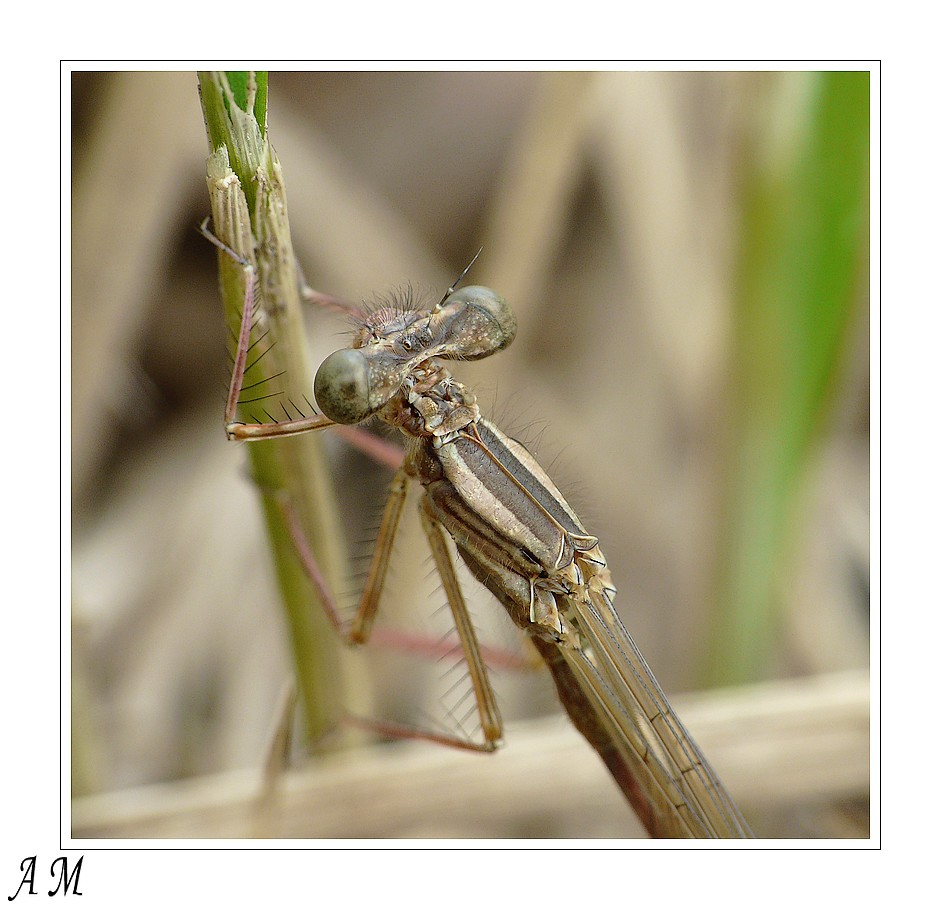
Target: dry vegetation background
(608, 206)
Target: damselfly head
(356, 382)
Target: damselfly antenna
(460, 278)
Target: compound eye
(477, 322)
(341, 387)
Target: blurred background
(687, 254)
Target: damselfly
(516, 534)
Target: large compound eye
(476, 322)
(341, 387)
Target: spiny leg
(379, 567)
(328, 301)
(376, 448)
(234, 428)
(490, 722)
(245, 327)
(360, 630)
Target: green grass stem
(249, 213)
